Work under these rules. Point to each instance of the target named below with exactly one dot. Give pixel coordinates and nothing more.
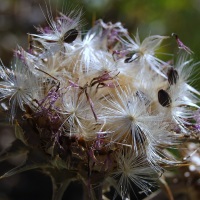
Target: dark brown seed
(128, 60)
(164, 98)
(172, 75)
(70, 36)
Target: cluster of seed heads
(98, 107)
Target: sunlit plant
(99, 107)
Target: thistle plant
(99, 107)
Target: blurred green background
(163, 17)
(18, 17)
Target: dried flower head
(97, 106)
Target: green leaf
(19, 134)
(17, 147)
(35, 159)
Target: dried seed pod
(172, 75)
(70, 36)
(164, 98)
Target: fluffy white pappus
(133, 170)
(127, 69)
(161, 134)
(75, 109)
(185, 69)
(51, 68)
(158, 157)
(180, 108)
(148, 84)
(56, 30)
(127, 116)
(161, 138)
(85, 54)
(183, 96)
(63, 30)
(29, 59)
(19, 86)
(144, 52)
(97, 133)
(105, 63)
(47, 69)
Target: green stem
(92, 193)
(58, 191)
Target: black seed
(51, 41)
(172, 75)
(128, 60)
(164, 98)
(70, 36)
